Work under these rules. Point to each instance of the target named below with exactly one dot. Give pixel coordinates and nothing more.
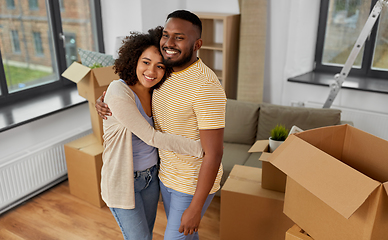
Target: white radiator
(374, 123)
(30, 172)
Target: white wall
(152, 18)
(119, 17)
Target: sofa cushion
(233, 154)
(304, 118)
(253, 160)
(241, 122)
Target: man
(190, 103)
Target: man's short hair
(188, 16)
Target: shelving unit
(221, 53)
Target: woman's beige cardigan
(117, 180)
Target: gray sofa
(247, 122)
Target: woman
(129, 178)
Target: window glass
(380, 56)
(345, 20)
(10, 4)
(78, 28)
(27, 53)
(33, 4)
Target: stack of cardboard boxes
(84, 155)
(252, 201)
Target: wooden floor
(56, 214)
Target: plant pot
(273, 144)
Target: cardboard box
(90, 84)
(248, 211)
(272, 177)
(296, 233)
(336, 182)
(84, 162)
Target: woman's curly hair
(131, 50)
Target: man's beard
(169, 63)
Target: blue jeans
(175, 203)
(138, 223)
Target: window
(38, 44)
(340, 24)
(43, 50)
(10, 4)
(33, 4)
(15, 41)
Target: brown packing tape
(244, 179)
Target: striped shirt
(188, 101)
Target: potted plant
(278, 135)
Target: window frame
(54, 11)
(366, 70)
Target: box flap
(83, 142)
(247, 180)
(328, 139)
(76, 72)
(341, 187)
(366, 153)
(259, 146)
(105, 75)
(296, 233)
(93, 149)
(264, 156)
(386, 187)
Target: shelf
(220, 48)
(213, 46)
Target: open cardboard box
(336, 182)
(249, 211)
(90, 84)
(296, 233)
(272, 177)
